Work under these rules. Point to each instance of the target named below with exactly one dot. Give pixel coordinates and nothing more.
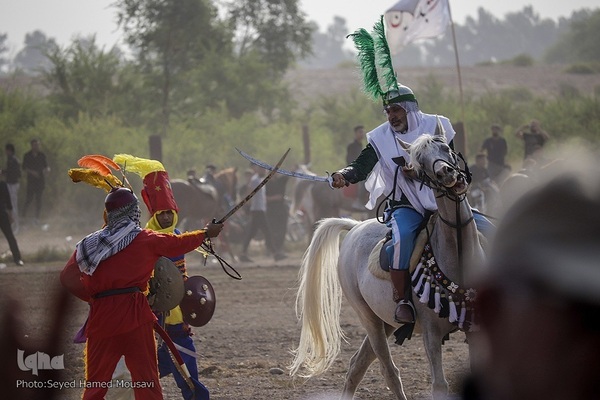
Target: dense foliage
(219, 84)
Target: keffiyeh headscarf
(122, 227)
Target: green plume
(384, 57)
(365, 46)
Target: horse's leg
(360, 362)
(432, 339)
(375, 343)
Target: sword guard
(330, 180)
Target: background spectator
(496, 148)
(12, 176)
(533, 137)
(36, 167)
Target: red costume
(122, 324)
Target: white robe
(381, 179)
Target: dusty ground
(252, 332)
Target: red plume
(106, 161)
(99, 163)
(94, 164)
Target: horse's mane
(423, 146)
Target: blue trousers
(405, 222)
(166, 366)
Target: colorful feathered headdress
(97, 171)
(375, 60)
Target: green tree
(84, 78)
(328, 47)
(170, 39)
(269, 37)
(487, 38)
(32, 58)
(275, 29)
(580, 43)
(3, 49)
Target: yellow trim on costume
(174, 317)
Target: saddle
(205, 187)
(384, 247)
(430, 285)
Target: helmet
(119, 197)
(399, 94)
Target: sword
(300, 175)
(256, 189)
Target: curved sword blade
(299, 175)
(256, 189)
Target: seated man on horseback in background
(382, 161)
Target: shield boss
(166, 286)
(198, 304)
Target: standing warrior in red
(116, 263)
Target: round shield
(198, 304)
(166, 286)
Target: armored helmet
(398, 95)
(119, 197)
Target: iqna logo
(39, 360)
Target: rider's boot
(405, 312)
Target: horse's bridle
(434, 183)
(465, 174)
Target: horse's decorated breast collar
(444, 296)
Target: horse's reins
(444, 191)
(207, 246)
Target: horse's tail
(319, 300)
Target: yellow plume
(94, 178)
(137, 165)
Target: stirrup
(412, 311)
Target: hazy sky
(63, 19)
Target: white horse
(455, 243)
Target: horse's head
(436, 164)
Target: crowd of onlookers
(35, 166)
(490, 168)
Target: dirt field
(245, 349)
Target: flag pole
(460, 87)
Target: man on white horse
(382, 162)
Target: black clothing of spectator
(35, 164)
(277, 212)
(496, 149)
(5, 222)
(354, 148)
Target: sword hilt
(330, 180)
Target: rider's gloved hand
(213, 229)
(338, 180)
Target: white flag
(409, 20)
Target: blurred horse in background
(316, 200)
(199, 202)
